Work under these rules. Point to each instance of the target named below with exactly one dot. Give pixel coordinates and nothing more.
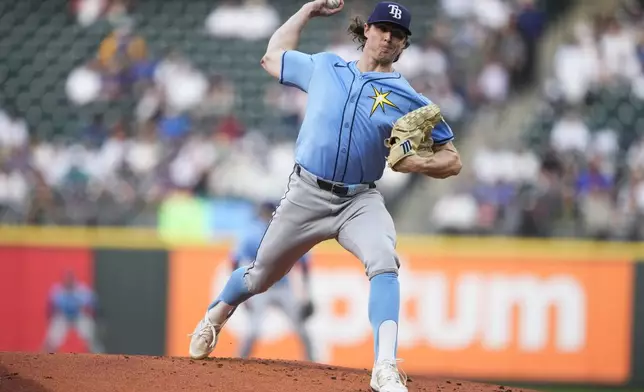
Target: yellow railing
(135, 238)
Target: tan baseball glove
(412, 134)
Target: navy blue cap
(391, 12)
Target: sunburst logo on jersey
(380, 99)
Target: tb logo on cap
(395, 11)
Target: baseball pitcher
(360, 116)
(281, 294)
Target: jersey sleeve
(442, 133)
(297, 69)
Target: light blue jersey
(246, 250)
(71, 303)
(349, 114)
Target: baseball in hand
(332, 4)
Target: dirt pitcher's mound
(22, 372)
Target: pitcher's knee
(382, 261)
(258, 281)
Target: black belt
(340, 190)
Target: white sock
(387, 335)
(218, 314)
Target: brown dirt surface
(30, 372)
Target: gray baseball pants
(309, 214)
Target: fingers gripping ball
(332, 4)
(412, 134)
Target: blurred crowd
(181, 134)
(181, 131)
(587, 178)
(476, 54)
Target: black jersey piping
(281, 81)
(337, 151)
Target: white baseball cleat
(386, 378)
(204, 338)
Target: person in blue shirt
(71, 305)
(281, 294)
(339, 155)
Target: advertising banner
(528, 318)
(30, 281)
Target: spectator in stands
(119, 53)
(457, 9)
(150, 103)
(618, 48)
(13, 131)
(85, 84)
(576, 66)
(452, 104)
(144, 152)
(540, 204)
(14, 192)
(95, 133)
(174, 126)
(530, 23)
(492, 14)
(195, 158)
(229, 128)
(260, 19)
(493, 82)
(42, 208)
(434, 60)
(635, 155)
(87, 12)
(117, 10)
(182, 86)
(570, 134)
(44, 154)
(141, 74)
(111, 154)
(640, 50)
(594, 190)
(217, 103)
(73, 189)
(456, 213)
(513, 52)
(122, 45)
(630, 206)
